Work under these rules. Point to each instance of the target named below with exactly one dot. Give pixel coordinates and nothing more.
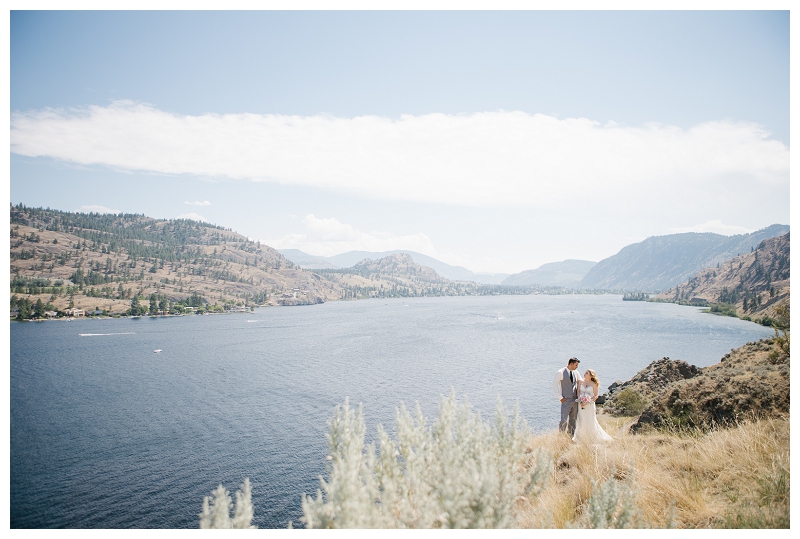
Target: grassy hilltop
(696, 448)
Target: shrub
(781, 339)
(458, 472)
(216, 509)
(629, 401)
(611, 505)
(723, 309)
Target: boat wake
(104, 334)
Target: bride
(587, 429)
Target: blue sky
(494, 140)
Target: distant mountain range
(661, 262)
(351, 258)
(567, 273)
(652, 265)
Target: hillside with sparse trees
(750, 286)
(133, 264)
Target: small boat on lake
(157, 351)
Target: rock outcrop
(750, 381)
(648, 383)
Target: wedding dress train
(587, 429)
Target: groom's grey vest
(569, 390)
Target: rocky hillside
(661, 262)
(753, 284)
(399, 266)
(567, 273)
(752, 380)
(351, 258)
(103, 262)
(396, 275)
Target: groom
(566, 389)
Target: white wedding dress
(587, 429)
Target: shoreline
(72, 319)
(704, 309)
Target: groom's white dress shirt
(560, 376)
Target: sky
(498, 141)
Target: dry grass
(735, 477)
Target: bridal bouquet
(584, 400)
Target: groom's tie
(571, 377)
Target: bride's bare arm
(595, 390)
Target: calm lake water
(107, 434)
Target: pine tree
(135, 307)
(38, 309)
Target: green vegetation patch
(723, 309)
(629, 402)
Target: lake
(107, 434)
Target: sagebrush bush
(781, 339)
(217, 507)
(611, 505)
(459, 472)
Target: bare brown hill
(102, 262)
(751, 285)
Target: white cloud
(328, 237)
(714, 226)
(94, 208)
(198, 203)
(193, 216)
(483, 159)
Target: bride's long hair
(593, 377)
